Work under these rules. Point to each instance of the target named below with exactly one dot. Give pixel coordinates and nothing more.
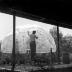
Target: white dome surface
(43, 44)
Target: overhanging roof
(56, 12)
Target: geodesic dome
(43, 44)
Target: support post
(51, 62)
(13, 50)
(58, 48)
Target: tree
(65, 43)
(53, 32)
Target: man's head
(34, 32)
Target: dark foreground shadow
(68, 69)
(54, 70)
(4, 70)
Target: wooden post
(13, 50)
(58, 48)
(51, 57)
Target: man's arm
(36, 37)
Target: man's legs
(33, 50)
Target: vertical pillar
(13, 50)
(58, 48)
(51, 62)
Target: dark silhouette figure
(33, 44)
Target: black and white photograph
(32, 41)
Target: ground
(21, 67)
(27, 68)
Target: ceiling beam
(34, 17)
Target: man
(33, 44)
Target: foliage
(65, 43)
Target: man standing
(33, 44)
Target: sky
(6, 25)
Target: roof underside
(56, 12)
